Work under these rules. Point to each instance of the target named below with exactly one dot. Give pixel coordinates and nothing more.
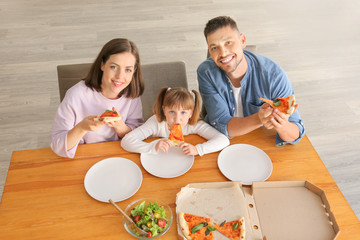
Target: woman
(114, 80)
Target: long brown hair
(115, 46)
(177, 97)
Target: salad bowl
(151, 215)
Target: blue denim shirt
(263, 78)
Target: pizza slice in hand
(285, 105)
(195, 227)
(109, 116)
(234, 230)
(176, 137)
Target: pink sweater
(80, 102)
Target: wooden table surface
(45, 198)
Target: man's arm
(287, 131)
(240, 126)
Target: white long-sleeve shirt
(133, 141)
(80, 102)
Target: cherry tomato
(162, 222)
(149, 224)
(136, 218)
(157, 215)
(149, 234)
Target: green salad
(151, 218)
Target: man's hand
(287, 131)
(265, 116)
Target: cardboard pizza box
(272, 210)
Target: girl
(175, 106)
(114, 80)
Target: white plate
(245, 163)
(113, 178)
(167, 165)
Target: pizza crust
(242, 228)
(291, 102)
(175, 143)
(107, 119)
(184, 226)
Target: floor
(316, 42)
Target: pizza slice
(109, 116)
(234, 230)
(176, 137)
(285, 105)
(195, 227)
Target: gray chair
(156, 75)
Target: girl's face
(177, 115)
(118, 71)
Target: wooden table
(45, 198)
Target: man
(232, 81)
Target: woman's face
(118, 71)
(177, 115)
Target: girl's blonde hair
(177, 97)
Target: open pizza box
(272, 210)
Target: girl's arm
(133, 141)
(216, 140)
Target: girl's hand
(162, 145)
(189, 149)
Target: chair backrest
(156, 75)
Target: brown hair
(115, 46)
(219, 22)
(177, 97)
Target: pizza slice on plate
(195, 227)
(234, 230)
(285, 105)
(109, 116)
(176, 137)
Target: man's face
(226, 48)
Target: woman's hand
(89, 124)
(189, 149)
(120, 127)
(77, 132)
(162, 145)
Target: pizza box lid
(272, 210)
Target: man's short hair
(219, 22)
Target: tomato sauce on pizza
(285, 105)
(176, 136)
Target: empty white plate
(167, 165)
(113, 178)
(245, 163)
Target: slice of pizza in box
(271, 210)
